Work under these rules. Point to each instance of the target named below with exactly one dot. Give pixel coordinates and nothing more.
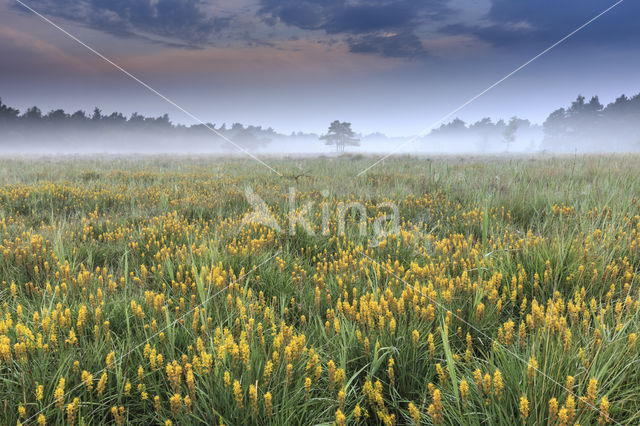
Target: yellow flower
(390, 371)
(109, 360)
(87, 379)
(435, 409)
(532, 368)
(632, 340)
(176, 404)
(102, 383)
(39, 392)
(592, 391)
(253, 396)
(497, 383)
(58, 394)
(72, 411)
(604, 411)
(416, 337)
(464, 390)
(414, 412)
(553, 409)
(524, 407)
(570, 382)
(237, 392)
(268, 402)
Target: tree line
(33, 121)
(583, 125)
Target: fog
(584, 126)
(529, 140)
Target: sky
(391, 66)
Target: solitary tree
(509, 132)
(340, 135)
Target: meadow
(132, 292)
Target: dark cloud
(512, 22)
(398, 45)
(181, 22)
(367, 22)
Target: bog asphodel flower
(414, 412)
(604, 411)
(268, 402)
(237, 392)
(524, 408)
(592, 391)
(464, 390)
(58, 394)
(497, 383)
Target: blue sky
(386, 65)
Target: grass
(509, 293)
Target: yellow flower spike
(237, 392)
(497, 384)
(632, 341)
(58, 394)
(414, 412)
(553, 409)
(87, 380)
(176, 404)
(109, 360)
(604, 411)
(307, 387)
(532, 367)
(464, 390)
(592, 391)
(524, 408)
(268, 403)
(102, 383)
(39, 392)
(570, 382)
(570, 406)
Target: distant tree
(250, 138)
(33, 114)
(577, 107)
(509, 133)
(57, 116)
(78, 116)
(163, 121)
(97, 114)
(594, 107)
(485, 123)
(136, 119)
(7, 113)
(455, 126)
(116, 118)
(340, 135)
